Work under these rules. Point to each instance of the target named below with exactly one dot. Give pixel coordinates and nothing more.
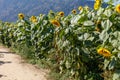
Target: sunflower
(117, 8)
(33, 19)
(96, 6)
(98, 1)
(73, 11)
(80, 8)
(104, 52)
(21, 16)
(86, 8)
(97, 29)
(55, 22)
(61, 13)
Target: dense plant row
(84, 45)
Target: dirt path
(13, 68)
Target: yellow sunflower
(61, 13)
(33, 19)
(21, 16)
(55, 22)
(96, 6)
(80, 8)
(104, 52)
(117, 8)
(73, 11)
(98, 1)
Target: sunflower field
(85, 44)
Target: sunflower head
(96, 6)
(73, 11)
(86, 8)
(61, 13)
(80, 8)
(98, 1)
(55, 22)
(21, 16)
(117, 8)
(97, 29)
(104, 52)
(33, 19)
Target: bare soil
(13, 67)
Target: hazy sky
(114, 0)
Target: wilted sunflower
(21, 16)
(104, 52)
(55, 22)
(117, 8)
(61, 13)
(73, 11)
(97, 29)
(33, 19)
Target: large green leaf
(88, 23)
(116, 75)
(104, 35)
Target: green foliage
(71, 48)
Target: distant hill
(10, 8)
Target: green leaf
(104, 35)
(106, 24)
(116, 75)
(112, 64)
(108, 12)
(88, 23)
(75, 19)
(117, 35)
(67, 64)
(86, 36)
(115, 43)
(106, 63)
(100, 11)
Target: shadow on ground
(1, 75)
(4, 62)
(6, 52)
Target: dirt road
(13, 68)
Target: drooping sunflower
(73, 11)
(117, 8)
(55, 22)
(97, 29)
(21, 16)
(61, 13)
(80, 8)
(86, 8)
(104, 52)
(33, 19)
